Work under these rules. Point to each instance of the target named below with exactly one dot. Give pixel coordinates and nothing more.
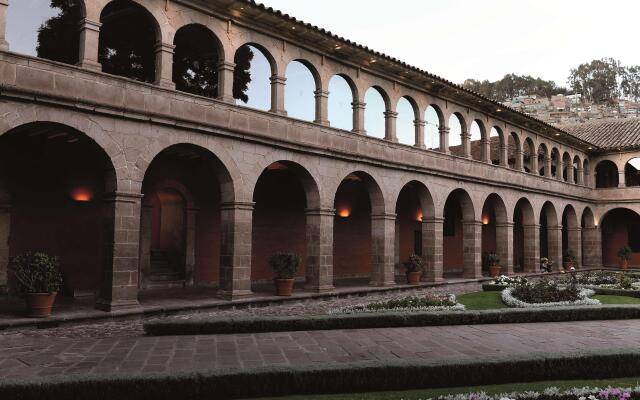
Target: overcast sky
(486, 39)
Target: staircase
(162, 273)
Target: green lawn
(492, 300)
(491, 389)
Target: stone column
(570, 174)
(466, 144)
(419, 126)
(390, 118)
(547, 167)
(322, 107)
(504, 156)
(319, 265)
(4, 4)
(225, 81)
(471, 248)
(277, 94)
(444, 139)
(580, 174)
(396, 248)
(235, 254)
(89, 43)
(145, 244)
(358, 117)
(531, 248)
(554, 244)
(164, 65)
(5, 230)
(485, 150)
(591, 242)
(559, 170)
(575, 243)
(534, 164)
(504, 245)
(622, 179)
(519, 163)
(382, 252)
(432, 248)
(122, 248)
(190, 247)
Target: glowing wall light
(82, 194)
(419, 216)
(344, 212)
(485, 219)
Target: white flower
(584, 300)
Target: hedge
(492, 287)
(387, 320)
(330, 378)
(615, 292)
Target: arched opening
(53, 183)
(513, 151)
(413, 206)
(433, 118)
(180, 222)
(45, 31)
(374, 113)
(571, 243)
(525, 245)
(529, 157)
(620, 227)
(457, 125)
(461, 248)
(606, 175)
(405, 128)
(299, 91)
(578, 173)
(555, 163)
(632, 172)
(567, 164)
(495, 234)
(586, 166)
(195, 61)
(341, 97)
(495, 146)
(543, 160)
(128, 38)
(357, 252)
(590, 243)
(476, 133)
(550, 235)
(252, 77)
(282, 193)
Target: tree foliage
(58, 38)
(597, 80)
(512, 85)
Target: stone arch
(606, 174)
(307, 107)
(590, 239)
(461, 234)
(529, 156)
(406, 132)
(567, 167)
(544, 160)
(578, 171)
(525, 237)
(550, 234)
(372, 115)
(632, 172)
(586, 167)
(341, 104)
(620, 227)
(255, 62)
(515, 152)
(495, 232)
(457, 127)
(556, 163)
(571, 241)
(497, 148)
(433, 127)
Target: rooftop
(608, 134)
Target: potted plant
(492, 260)
(38, 279)
(545, 264)
(569, 259)
(284, 266)
(624, 254)
(414, 269)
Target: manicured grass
(481, 300)
(489, 389)
(609, 299)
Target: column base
(90, 65)
(320, 289)
(382, 284)
(322, 122)
(234, 294)
(167, 84)
(227, 99)
(116, 305)
(433, 280)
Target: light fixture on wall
(82, 194)
(419, 216)
(485, 219)
(344, 212)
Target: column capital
(88, 24)
(390, 114)
(504, 225)
(165, 47)
(444, 129)
(238, 205)
(433, 220)
(465, 135)
(4, 2)
(322, 212)
(419, 122)
(384, 216)
(321, 93)
(574, 229)
(474, 222)
(276, 79)
(225, 66)
(358, 105)
(535, 226)
(123, 197)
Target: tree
(512, 85)
(630, 82)
(597, 80)
(58, 38)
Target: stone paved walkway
(22, 356)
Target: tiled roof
(623, 133)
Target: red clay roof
(608, 134)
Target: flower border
(361, 308)
(580, 393)
(584, 295)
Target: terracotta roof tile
(610, 133)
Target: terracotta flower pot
(284, 287)
(39, 304)
(624, 263)
(568, 265)
(413, 278)
(494, 271)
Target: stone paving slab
(24, 357)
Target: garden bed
(404, 304)
(509, 297)
(329, 378)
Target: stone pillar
(575, 243)
(554, 244)
(504, 156)
(580, 174)
(504, 246)
(547, 167)
(4, 4)
(534, 164)
(322, 107)
(419, 126)
(559, 170)
(531, 248)
(591, 243)
(396, 248)
(444, 139)
(485, 150)
(390, 118)
(277, 94)
(622, 179)
(466, 144)
(432, 248)
(164, 65)
(145, 244)
(122, 248)
(382, 254)
(519, 162)
(225, 81)
(235, 254)
(5, 230)
(570, 174)
(319, 265)
(471, 248)
(89, 43)
(358, 117)
(190, 247)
